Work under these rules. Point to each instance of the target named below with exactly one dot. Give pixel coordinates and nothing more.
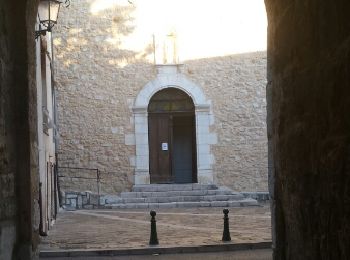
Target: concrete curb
(156, 250)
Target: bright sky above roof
(204, 28)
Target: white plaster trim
(203, 108)
(203, 118)
(173, 80)
(139, 110)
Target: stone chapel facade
(134, 121)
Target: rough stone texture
(81, 200)
(309, 128)
(18, 155)
(236, 87)
(95, 95)
(98, 82)
(8, 204)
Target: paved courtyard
(258, 254)
(125, 229)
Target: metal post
(153, 238)
(226, 234)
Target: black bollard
(226, 234)
(153, 238)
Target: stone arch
(168, 77)
(175, 81)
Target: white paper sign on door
(164, 146)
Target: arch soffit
(179, 82)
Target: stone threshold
(154, 250)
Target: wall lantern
(48, 14)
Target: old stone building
(122, 93)
(308, 129)
(26, 169)
(47, 132)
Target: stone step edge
(153, 194)
(181, 199)
(88, 200)
(188, 198)
(234, 203)
(151, 250)
(173, 187)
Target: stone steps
(166, 199)
(189, 204)
(162, 196)
(173, 187)
(176, 196)
(176, 193)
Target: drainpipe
(55, 130)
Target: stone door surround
(169, 77)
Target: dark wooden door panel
(159, 129)
(182, 161)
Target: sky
(204, 28)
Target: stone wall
(8, 205)
(80, 200)
(235, 85)
(95, 95)
(97, 85)
(18, 137)
(309, 128)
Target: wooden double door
(172, 148)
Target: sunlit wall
(205, 28)
(104, 56)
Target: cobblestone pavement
(125, 229)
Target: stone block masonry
(97, 83)
(80, 200)
(19, 209)
(235, 84)
(8, 199)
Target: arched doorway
(168, 77)
(172, 137)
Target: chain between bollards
(226, 234)
(153, 238)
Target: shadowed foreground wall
(18, 161)
(309, 127)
